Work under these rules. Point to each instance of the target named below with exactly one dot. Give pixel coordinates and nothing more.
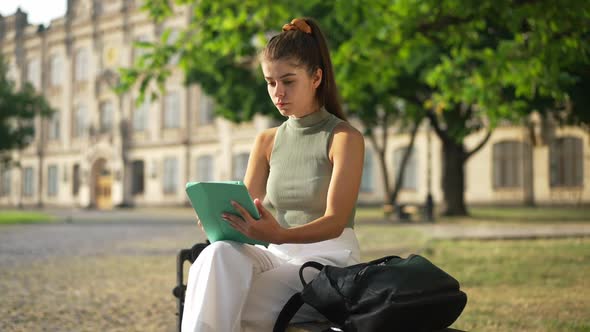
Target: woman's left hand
(265, 229)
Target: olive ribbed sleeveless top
(300, 169)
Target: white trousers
(234, 287)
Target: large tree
(18, 109)
(475, 64)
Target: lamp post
(429, 204)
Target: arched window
(170, 175)
(239, 166)
(5, 181)
(367, 178)
(81, 65)
(52, 180)
(54, 126)
(80, 123)
(56, 70)
(28, 182)
(566, 162)
(140, 115)
(34, 73)
(508, 159)
(206, 110)
(205, 168)
(137, 177)
(171, 110)
(106, 116)
(410, 178)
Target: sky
(38, 11)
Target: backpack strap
(295, 302)
(288, 312)
(313, 264)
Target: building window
(566, 162)
(139, 51)
(137, 177)
(28, 183)
(12, 73)
(56, 70)
(81, 65)
(171, 110)
(172, 38)
(367, 178)
(106, 117)
(52, 180)
(79, 122)
(508, 158)
(205, 168)
(34, 73)
(170, 175)
(206, 110)
(76, 180)
(140, 115)
(410, 178)
(5, 181)
(240, 165)
(54, 126)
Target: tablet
(211, 199)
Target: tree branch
(436, 126)
(384, 127)
(479, 146)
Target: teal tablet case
(211, 199)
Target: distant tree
(18, 109)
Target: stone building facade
(102, 150)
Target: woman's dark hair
(309, 50)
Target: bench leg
(180, 289)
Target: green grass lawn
(23, 217)
(532, 214)
(519, 285)
(533, 285)
(510, 214)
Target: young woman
(309, 169)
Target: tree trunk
(392, 199)
(380, 151)
(453, 178)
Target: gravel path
(91, 276)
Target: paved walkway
(481, 231)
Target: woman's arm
(258, 164)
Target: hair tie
(298, 24)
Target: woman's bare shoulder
(267, 136)
(265, 141)
(345, 129)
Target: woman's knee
(222, 251)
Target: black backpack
(387, 294)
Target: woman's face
(291, 88)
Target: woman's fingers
(235, 221)
(243, 212)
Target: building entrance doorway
(103, 182)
